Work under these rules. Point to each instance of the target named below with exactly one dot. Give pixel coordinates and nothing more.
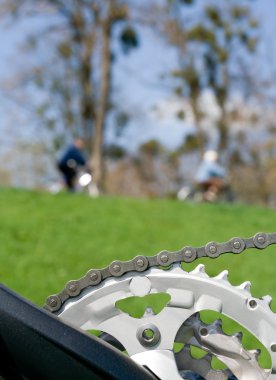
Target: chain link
(116, 269)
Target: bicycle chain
(95, 277)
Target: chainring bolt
(252, 304)
(148, 335)
(273, 347)
(203, 331)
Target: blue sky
(145, 93)
(142, 91)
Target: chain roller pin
(72, 288)
(238, 245)
(141, 263)
(189, 254)
(94, 276)
(116, 268)
(53, 303)
(211, 250)
(261, 240)
(164, 258)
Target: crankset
(91, 303)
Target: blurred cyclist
(210, 176)
(69, 162)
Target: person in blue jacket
(70, 161)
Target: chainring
(189, 294)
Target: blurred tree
(80, 77)
(215, 42)
(151, 148)
(115, 152)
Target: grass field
(46, 240)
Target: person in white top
(210, 175)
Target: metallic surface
(90, 303)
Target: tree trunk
(223, 130)
(200, 133)
(97, 162)
(223, 127)
(87, 101)
(223, 135)
(87, 43)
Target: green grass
(46, 240)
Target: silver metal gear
(244, 364)
(149, 340)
